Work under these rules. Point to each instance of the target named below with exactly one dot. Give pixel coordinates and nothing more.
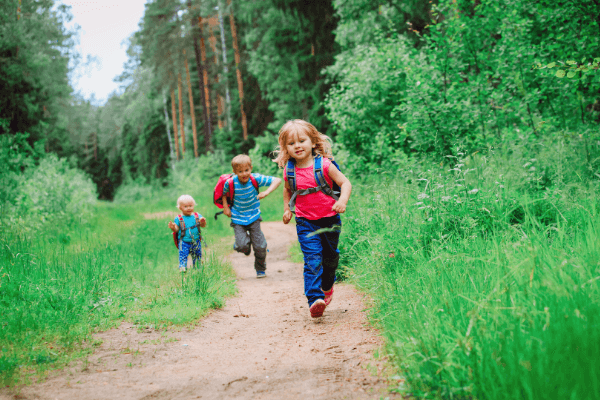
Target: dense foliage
(470, 84)
(471, 129)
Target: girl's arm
(345, 186)
(274, 184)
(287, 213)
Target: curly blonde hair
(294, 127)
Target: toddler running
(189, 233)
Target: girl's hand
(339, 207)
(202, 222)
(287, 216)
(173, 226)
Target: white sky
(105, 25)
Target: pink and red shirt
(315, 205)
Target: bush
(53, 190)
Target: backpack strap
(320, 178)
(290, 173)
(231, 192)
(254, 183)
(181, 227)
(322, 184)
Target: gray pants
(246, 235)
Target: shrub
(53, 189)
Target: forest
(469, 128)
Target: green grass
(486, 294)
(59, 283)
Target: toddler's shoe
(261, 274)
(328, 296)
(317, 308)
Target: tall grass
(486, 283)
(61, 282)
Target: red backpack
(218, 192)
(177, 236)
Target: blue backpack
(322, 185)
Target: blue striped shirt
(246, 206)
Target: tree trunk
(200, 68)
(17, 51)
(204, 71)
(213, 44)
(182, 130)
(237, 70)
(191, 100)
(174, 114)
(95, 146)
(171, 152)
(225, 67)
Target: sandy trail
(261, 345)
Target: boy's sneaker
(328, 296)
(261, 274)
(317, 308)
(182, 269)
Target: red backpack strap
(181, 226)
(198, 225)
(231, 190)
(254, 182)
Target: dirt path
(262, 345)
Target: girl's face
(299, 146)
(187, 208)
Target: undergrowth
(485, 281)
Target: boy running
(245, 211)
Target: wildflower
(392, 255)
(446, 198)
(473, 191)
(422, 196)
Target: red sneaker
(328, 296)
(317, 308)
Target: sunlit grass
(59, 283)
(475, 299)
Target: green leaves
(570, 68)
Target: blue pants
(185, 249)
(321, 255)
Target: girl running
(310, 181)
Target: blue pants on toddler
(185, 249)
(321, 255)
